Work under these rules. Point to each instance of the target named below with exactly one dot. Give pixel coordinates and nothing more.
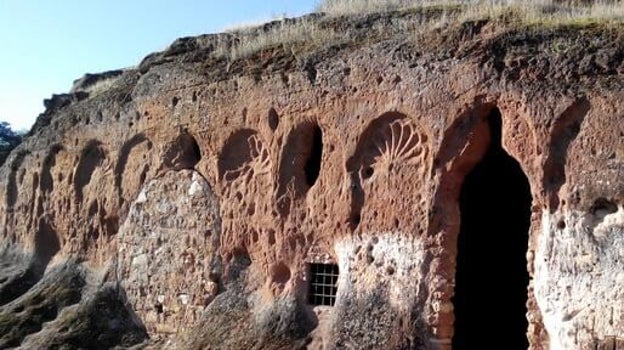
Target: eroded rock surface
(70, 308)
(186, 200)
(167, 254)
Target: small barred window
(323, 284)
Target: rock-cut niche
(387, 143)
(300, 165)
(92, 156)
(244, 155)
(491, 276)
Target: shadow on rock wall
(239, 319)
(64, 309)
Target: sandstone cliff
(184, 200)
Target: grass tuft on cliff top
(434, 14)
(526, 10)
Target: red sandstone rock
(205, 187)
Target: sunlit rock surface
(181, 205)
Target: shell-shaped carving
(392, 148)
(256, 160)
(399, 144)
(389, 141)
(244, 155)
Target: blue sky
(46, 44)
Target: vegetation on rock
(9, 139)
(288, 33)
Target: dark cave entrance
(495, 204)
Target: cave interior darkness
(495, 201)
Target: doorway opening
(495, 205)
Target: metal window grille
(323, 284)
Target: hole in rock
(491, 276)
(603, 207)
(300, 164)
(183, 153)
(273, 119)
(281, 274)
(159, 308)
(313, 164)
(355, 221)
(323, 284)
(196, 151)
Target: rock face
(165, 249)
(187, 200)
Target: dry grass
(288, 33)
(525, 10)
(248, 40)
(101, 86)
